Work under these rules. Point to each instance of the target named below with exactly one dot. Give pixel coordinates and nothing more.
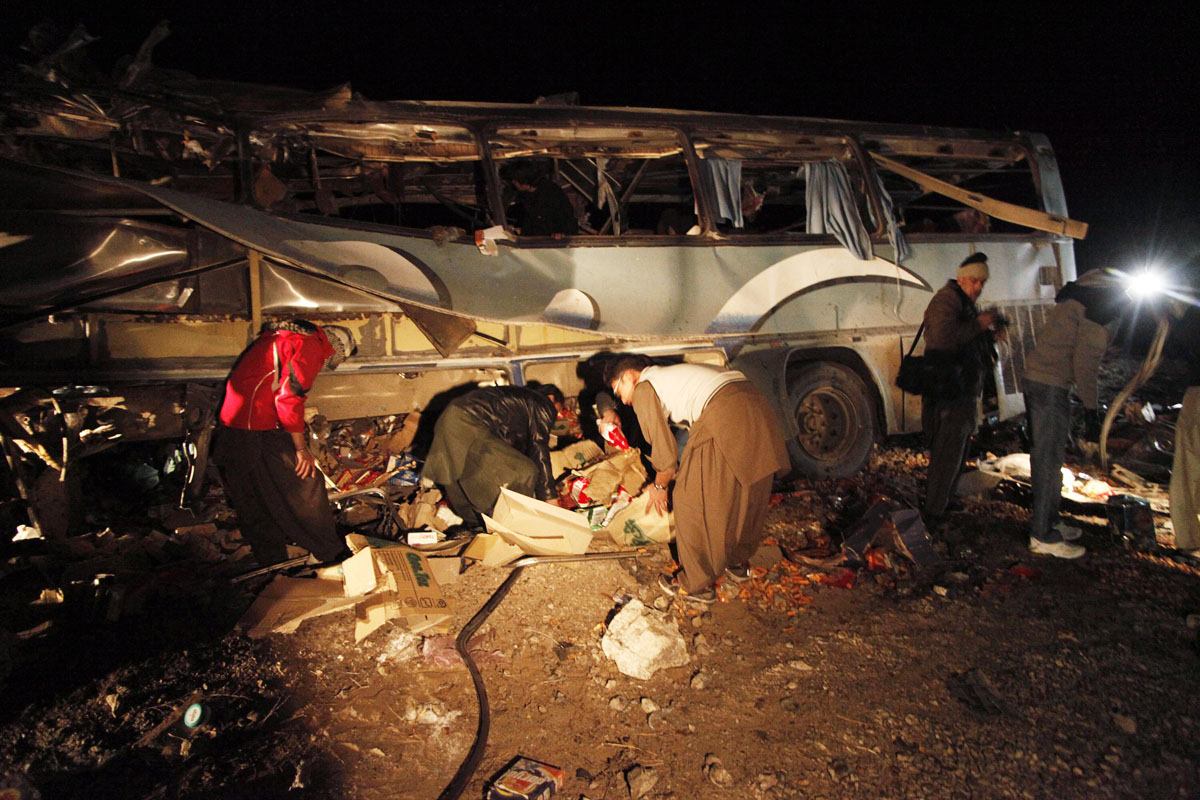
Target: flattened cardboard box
(398, 585)
(491, 550)
(538, 528)
(287, 602)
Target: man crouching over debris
(270, 476)
(492, 437)
(1070, 344)
(724, 480)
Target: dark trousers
(948, 426)
(273, 505)
(1048, 409)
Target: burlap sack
(634, 525)
(573, 457)
(622, 469)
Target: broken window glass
(615, 181)
(997, 171)
(773, 186)
(412, 175)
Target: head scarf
(342, 342)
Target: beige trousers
(1185, 473)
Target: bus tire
(834, 412)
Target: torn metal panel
(289, 291)
(1030, 218)
(48, 261)
(444, 331)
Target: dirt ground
(992, 674)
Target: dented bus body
(147, 235)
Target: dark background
(1114, 90)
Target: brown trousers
(274, 507)
(724, 483)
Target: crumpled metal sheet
(47, 259)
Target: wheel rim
(827, 421)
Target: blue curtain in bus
(895, 236)
(831, 207)
(605, 196)
(725, 175)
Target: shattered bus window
(620, 182)
(773, 188)
(999, 171)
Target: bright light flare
(1146, 284)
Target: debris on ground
(641, 641)
(111, 632)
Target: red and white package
(613, 435)
(577, 488)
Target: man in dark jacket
(1185, 472)
(492, 437)
(960, 338)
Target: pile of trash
(607, 489)
(367, 452)
(375, 481)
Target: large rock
(642, 641)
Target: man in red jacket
(269, 474)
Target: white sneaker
(1068, 532)
(1056, 549)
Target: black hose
(462, 777)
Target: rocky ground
(990, 674)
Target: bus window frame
(979, 149)
(865, 164)
(499, 212)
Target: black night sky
(1114, 91)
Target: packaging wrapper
(526, 779)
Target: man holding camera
(960, 339)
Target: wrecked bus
(149, 231)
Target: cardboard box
(287, 602)
(491, 550)
(538, 528)
(394, 583)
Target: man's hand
(1000, 334)
(987, 319)
(658, 500)
(306, 464)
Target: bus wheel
(833, 411)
